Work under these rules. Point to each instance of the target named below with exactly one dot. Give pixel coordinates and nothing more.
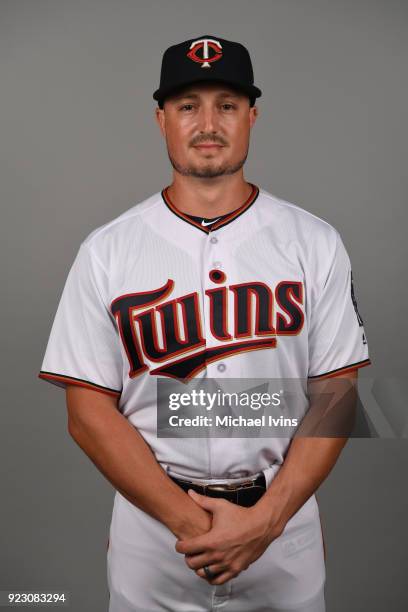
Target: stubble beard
(210, 170)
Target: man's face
(207, 128)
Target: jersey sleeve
(337, 340)
(83, 346)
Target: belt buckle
(248, 484)
(221, 487)
(232, 487)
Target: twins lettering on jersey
(136, 318)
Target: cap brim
(251, 90)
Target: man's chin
(204, 171)
(207, 170)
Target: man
(209, 278)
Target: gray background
(79, 145)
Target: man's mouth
(208, 146)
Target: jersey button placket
(209, 256)
(210, 253)
(211, 262)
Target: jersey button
(217, 264)
(221, 367)
(213, 239)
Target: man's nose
(208, 120)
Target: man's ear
(161, 119)
(254, 112)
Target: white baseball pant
(146, 574)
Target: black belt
(244, 494)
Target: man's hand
(237, 538)
(197, 522)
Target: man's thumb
(208, 503)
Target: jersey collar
(214, 226)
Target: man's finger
(208, 503)
(222, 578)
(215, 568)
(197, 561)
(193, 546)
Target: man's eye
(226, 106)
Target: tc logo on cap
(205, 44)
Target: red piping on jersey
(235, 213)
(340, 371)
(48, 376)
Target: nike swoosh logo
(209, 222)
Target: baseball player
(210, 277)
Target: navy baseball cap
(206, 58)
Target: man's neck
(208, 198)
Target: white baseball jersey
(265, 292)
